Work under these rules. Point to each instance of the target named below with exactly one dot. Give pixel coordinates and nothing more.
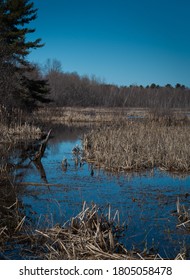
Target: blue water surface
(146, 201)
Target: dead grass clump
(84, 115)
(183, 214)
(89, 235)
(168, 117)
(79, 115)
(137, 145)
(18, 132)
(11, 218)
(17, 125)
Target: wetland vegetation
(126, 138)
(137, 144)
(118, 146)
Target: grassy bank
(9, 137)
(18, 132)
(17, 125)
(138, 145)
(11, 216)
(19, 128)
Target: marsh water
(146, 202)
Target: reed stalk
(138, 145)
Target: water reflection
(146, 201)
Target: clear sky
(119, 41)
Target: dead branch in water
(42, 148)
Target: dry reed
(17, 125)
(18, 132)
(183, 214)
(100, 114)
(137, 145)
(83, 115)
(89, 235)
(11, 217)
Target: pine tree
(15, 15)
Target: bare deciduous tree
(70, 89)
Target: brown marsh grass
(183, 214)
(137, 145)
(98, 114)
(18, 132)
(17, 125)
(91, 235)
(11, 216)
(74, 114)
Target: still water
(146, 201)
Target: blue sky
(122, 42)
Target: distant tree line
(26, 86)
(70, 89)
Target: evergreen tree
(15, 15)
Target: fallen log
(42, 148)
